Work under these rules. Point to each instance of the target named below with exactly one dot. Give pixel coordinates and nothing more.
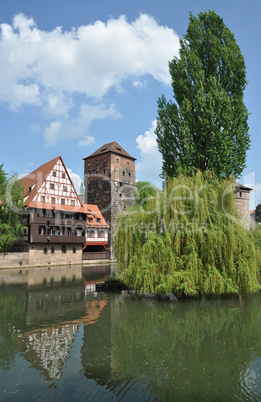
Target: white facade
(58, 188)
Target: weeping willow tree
(189, 240)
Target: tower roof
(111, 147)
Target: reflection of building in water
(41, 276)
(48, 348)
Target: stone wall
(41, 254)
(14, 259)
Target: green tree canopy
(144, 191)
(10, 202)
(206, 128)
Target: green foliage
(10, 202)
(144, 191)
(207, 126)
(189, 240)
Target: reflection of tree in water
(193, 348)
(10, 311)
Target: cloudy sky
(75, 75)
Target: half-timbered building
(55, 218)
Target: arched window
(52, 250)
(74, 250)
(45, 250)
(64, 249)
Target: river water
(60, 340)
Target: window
(129, 175)
(119, 149)
(120, 184)
(42, 198)
(97, 163)
(120, 195)
(54, 174)
(64, 249)
(41, 230)
(128, 163)
(104, 160)
(72, 203)
(64, 188)
(123, 173)
(45, 250)
(53, 200)
(63, 201)
(74, 250)
(91, 234)
(52, 250)
(52, 186)
(88, 164)
(90, 220)
(117, 160)
(101, 234)
(103, 171)
(63, 175)
(98, 220)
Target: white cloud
(77, 127)
(88, 140)
(76, 179)
(89, 59)
(50, 69)
(149, 168)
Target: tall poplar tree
(206, 127)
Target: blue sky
(77, 74)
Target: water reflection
(59, 339)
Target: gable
(57, 188)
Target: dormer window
(90, 220)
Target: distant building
(109, 179)
(242, 197)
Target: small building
(242, 197)
(97, 235)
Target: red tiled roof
(93, 211)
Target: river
(60, 340)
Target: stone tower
(109, 179)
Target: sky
(77, 74)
